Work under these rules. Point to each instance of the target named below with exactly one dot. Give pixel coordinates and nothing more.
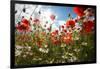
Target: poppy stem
(34, 10)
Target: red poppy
(79, 11)
(52, 17)
(53, 34)
(65, 30)
(67, 39)
(88, 26)
(70, 23)
(36, 21)
(23, 26)
(25, 21)
(62, 26)
(55, 41)
(56, 31)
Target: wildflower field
(54, 34)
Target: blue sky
(62, 13)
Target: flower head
(79, 11)
(52, 17)
(67, 39)
(88, 26)
(25, 21)
(62, 26)
(70, 23)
